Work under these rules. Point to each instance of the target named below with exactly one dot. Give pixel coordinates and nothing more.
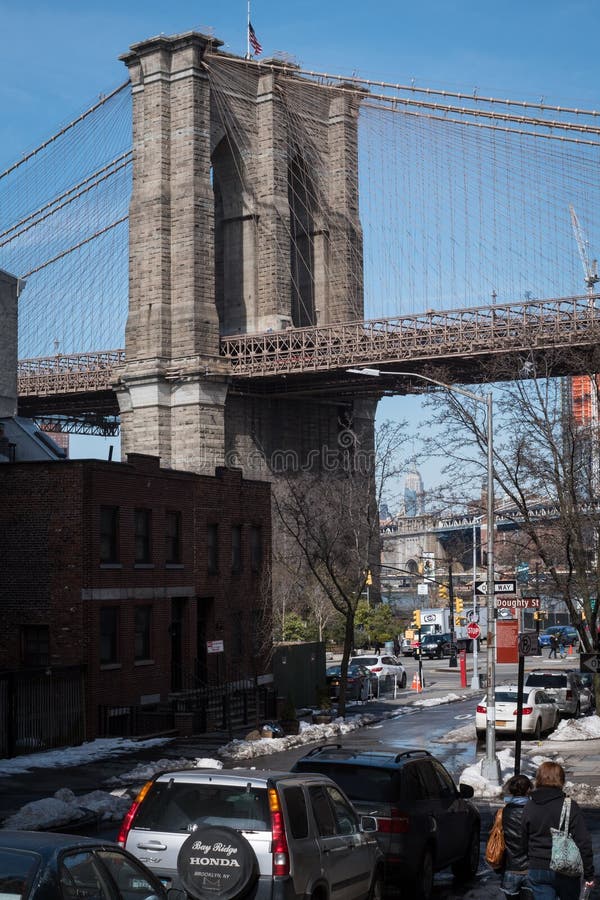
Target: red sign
(473, 630)
(507, 641)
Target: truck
(437, 621)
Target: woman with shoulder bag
(544, 813)
(514, 876)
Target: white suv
(265, 836)
(385, 667)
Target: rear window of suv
(364, 660)
(358, 782)
(173, 806)
(548, 681)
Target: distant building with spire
(414, 494)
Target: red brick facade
(58, 585)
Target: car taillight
(279, 845)
(397, 823)
(526, 711)
(126, 825)
(377, 669)
(482, 709)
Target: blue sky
(56, 58)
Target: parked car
(36, 865)
(565, 687)
(566, 634)
(289, 835)
(385, 667)
(406, 647)
(424, 822)
(539, 711)
(587, 681)
(361, 682)
(436, 645)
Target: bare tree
(546, 468)
(333, 519)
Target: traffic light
(416, 619)
(443, 592)
(536, 616)
(457, 620)
(458, 604)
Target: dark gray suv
(424, 822)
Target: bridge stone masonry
(227, 237)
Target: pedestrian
(514, 882)
(541, 813)
(377, 648)
(553, 646)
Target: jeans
(516, 884)
(548, 885)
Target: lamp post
(490, 765)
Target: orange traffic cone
(415, 682)
(570, 649)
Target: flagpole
(248, 33)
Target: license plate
(502, 722)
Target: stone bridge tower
(244, 218)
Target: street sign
(500, 587)
(422, 589)
(473, 630)
(517, 602)
(522, 571)
(528, 643)
(589, 662)
(215, 647)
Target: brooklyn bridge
(219, 236)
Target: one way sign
(500, 587)
(589, 662)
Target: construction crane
(590, 270)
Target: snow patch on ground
(75, 756)
(587, 729)
(308, 734)
(64, 808)
(145, 771)
(437, 701)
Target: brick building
(128, 571)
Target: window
(236, 549)
(35, 645)
(322, 811)
(109, 624)
(296, 805)
(80, 876)
(143, 553)
(345, 817)
(212, 546)
(173, 537)
(109, 534)
(255, 548)
(141, 638)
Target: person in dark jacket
(514, 877)
(540, 814)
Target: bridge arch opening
(234, 242)
(302, 196)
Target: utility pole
(453, 661)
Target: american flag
(254, 42)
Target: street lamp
(490, 765)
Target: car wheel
(234, 882)
(376, 892)
(480, 734)
(439, 653)
(537, 731)
(403, 680)
(466, 868)
(423, 884)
